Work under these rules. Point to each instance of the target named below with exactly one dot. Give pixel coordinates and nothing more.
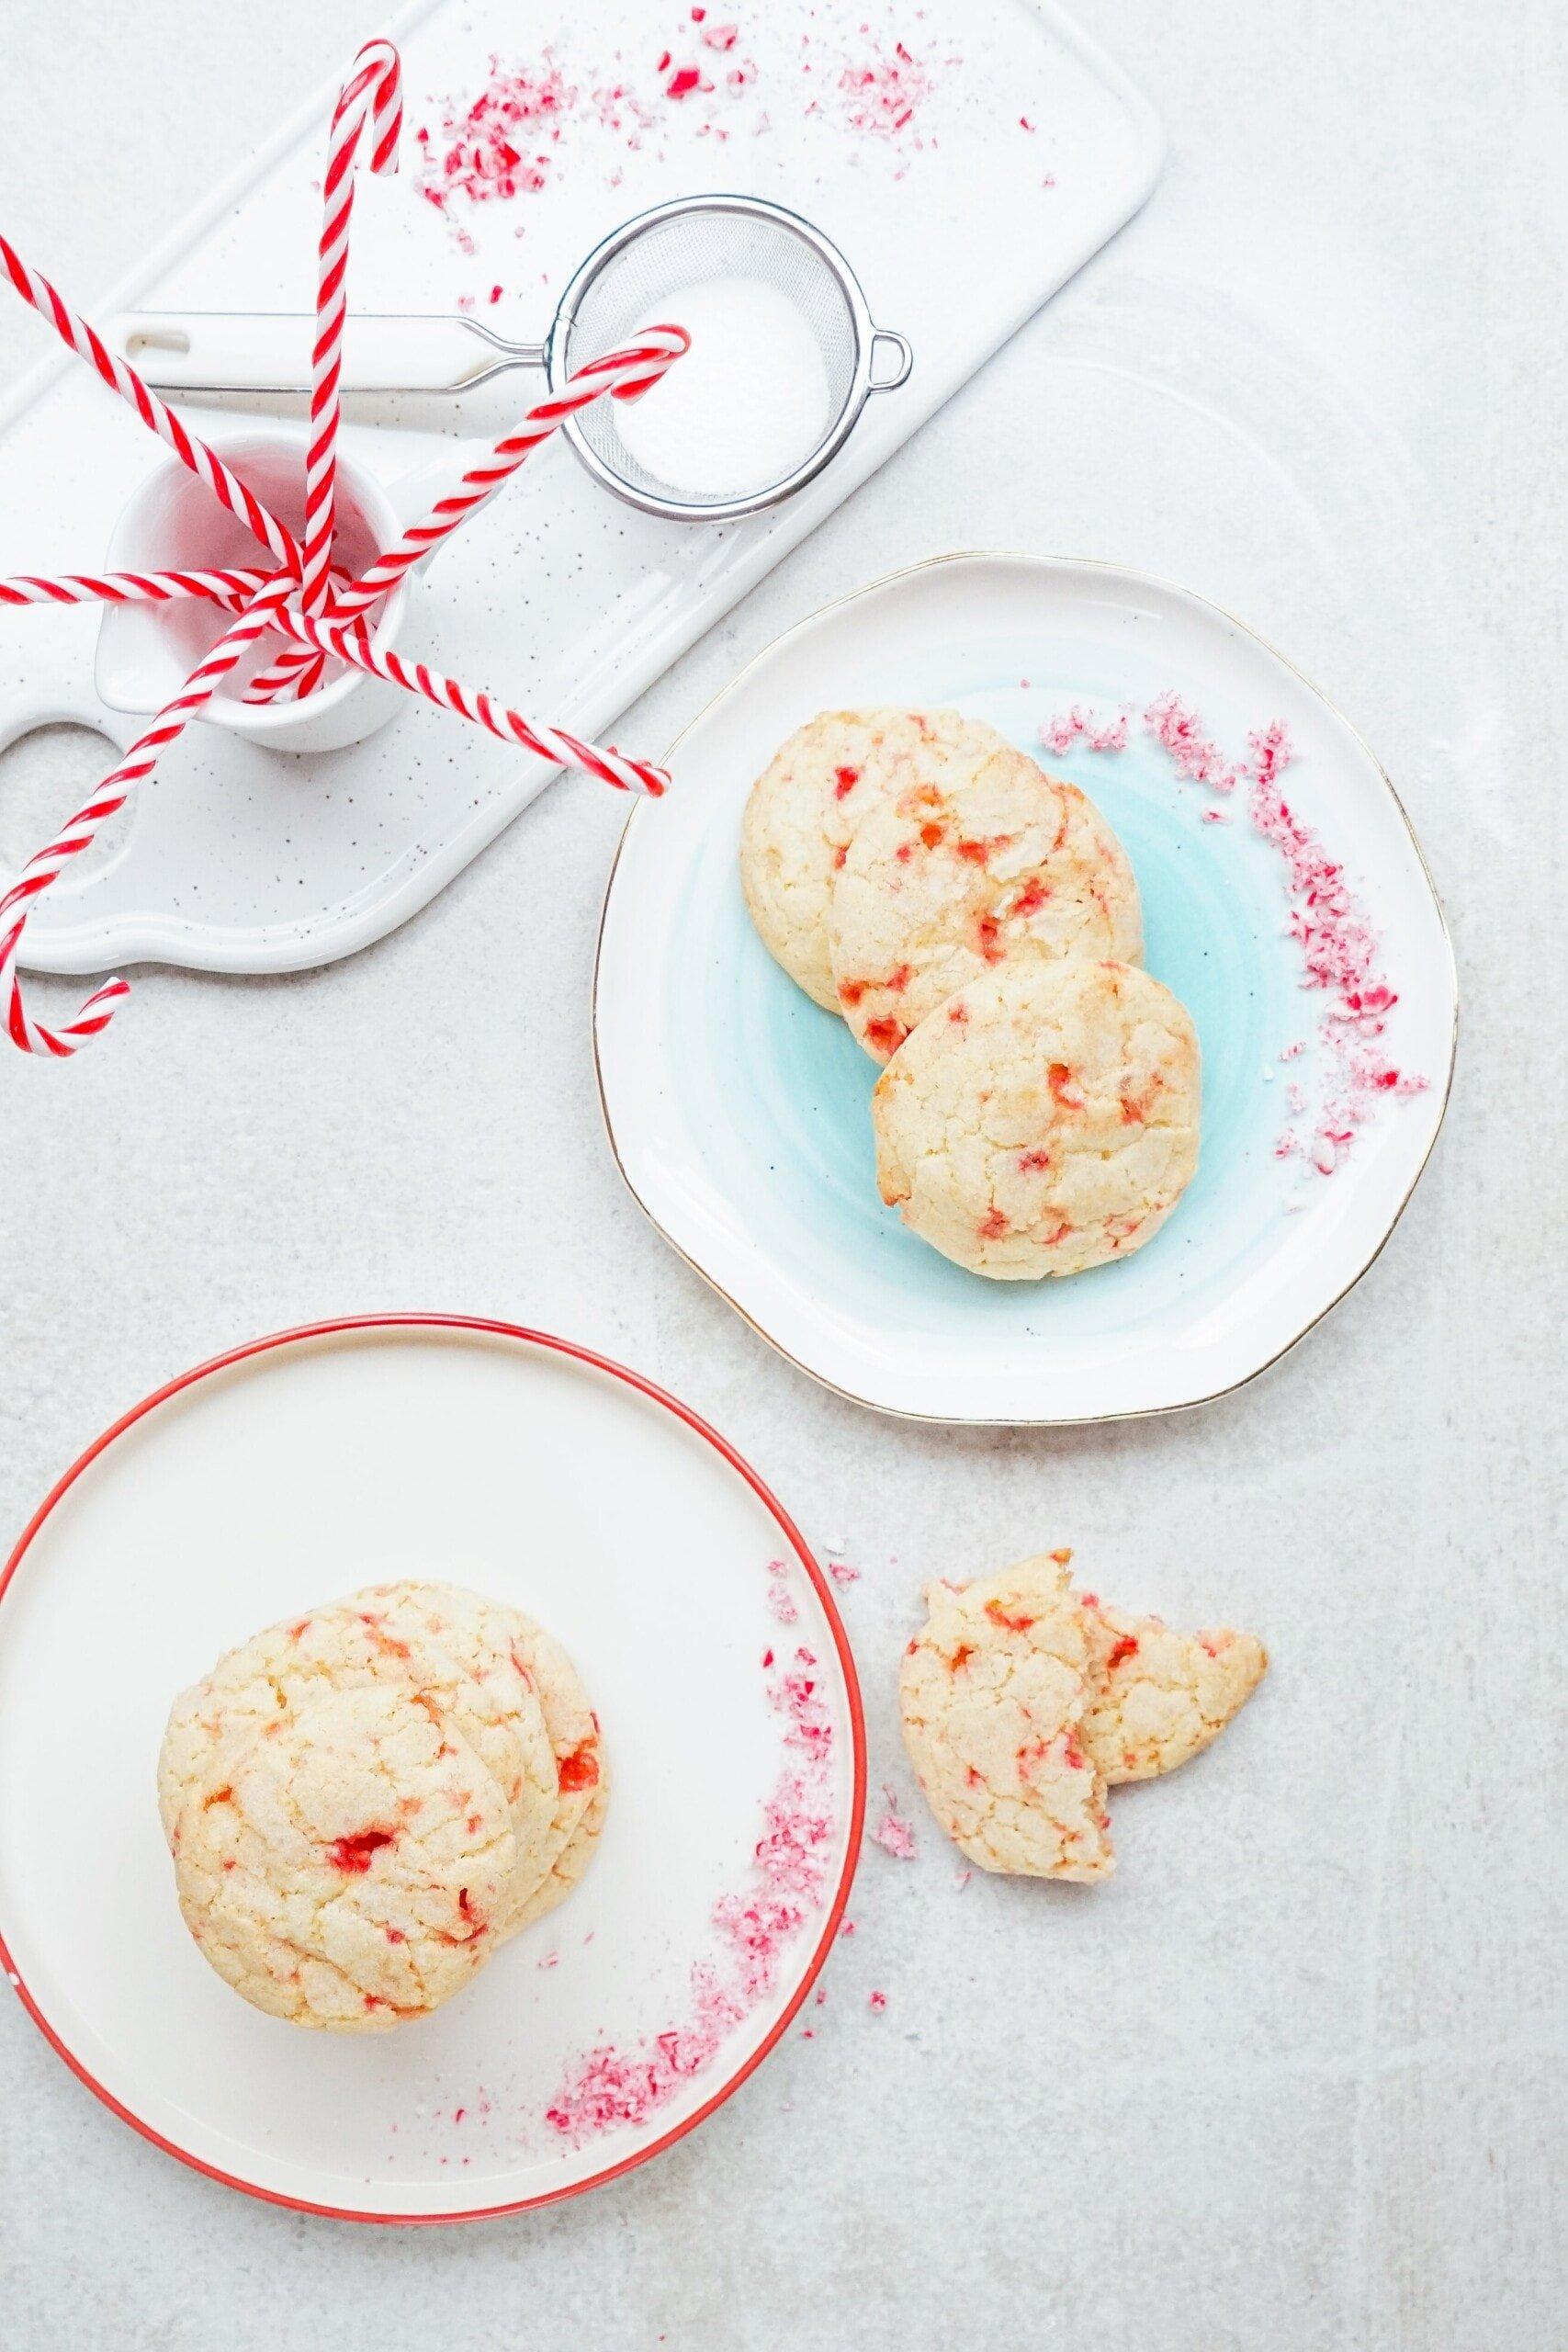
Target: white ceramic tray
(1025, 150)
(283, 1476)
(745, 1136)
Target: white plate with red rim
(1285, 901)
(287, 1473)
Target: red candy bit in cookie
(1072, 1754)
(1028, 1756)
(1034, 1162)
(958, 1010)
(932, 833)
(388, 1643)
(852, 991)
(394, 1935)
(1030, 898)
(960, 1657)
(1062, 1559)
(1060, 1080)
(886, 1035)
(839, 857)
(898, 979)
(988, 938)
(1133, 1112)
(999, 1616)
(844, 782)
(993, 1224)
(353, 1854)
(225, 1795)
(1126, 1647)
(580, 1770)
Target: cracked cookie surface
(993, 1690)
(432, 1639)
(344, 1866)
(1042, 1120)
(952, 878)
(811, 799)
(1158, 1697)
(479, 1635)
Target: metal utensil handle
(269, 351)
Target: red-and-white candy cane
(234, 588)
(121, 378)
(348, 640)
(623, 375)
(95, 1015)
(371, 100)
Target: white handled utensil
(269, 351)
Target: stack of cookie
(363, 1803)
(975, 921)
(1023, 1700)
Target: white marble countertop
(1297, 2078)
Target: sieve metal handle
(905, 361)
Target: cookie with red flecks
(809, 801)
(482, 1638)
(1158, 1697)
(993, 1692)
(347, 1871)
(1042, 1120)
(435, 1641)
(953, 878)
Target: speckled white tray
(1029, 151)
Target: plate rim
(1032, 559)
(338, 1327)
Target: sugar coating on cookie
(992, 1694)
(391, 1636)
(1158, 1697)
(1044, 1120)
(580, 1768)
(344, 1865)
(809, 801)
(480, 1636)
(950, 879)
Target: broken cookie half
(1023, 1700)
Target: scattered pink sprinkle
(683, 82)
(499, 144)
(1060, 733)
(610, 2087)
(846, 1928)
(892, 1833)
(1178, 728)
(721, 36)
(961, 1879)
(841, 1572)
(877, 2002)
(781, 1601)
(1338, 943)
(882, 94)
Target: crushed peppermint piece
(892, 1833)
(781, 1601)
(877, 2002)
(609, 2087)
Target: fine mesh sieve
(627, 282)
